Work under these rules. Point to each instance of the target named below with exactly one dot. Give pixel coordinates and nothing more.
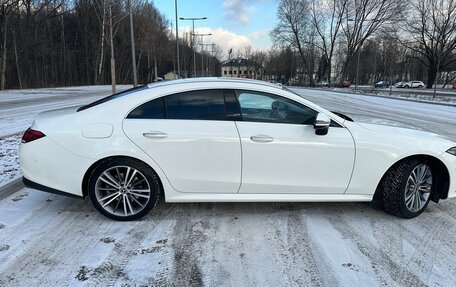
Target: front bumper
(450, 162)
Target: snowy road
(51, 240)
(19, 107)
(440, 119)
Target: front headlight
(452, 151)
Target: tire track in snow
(112, 268)
(293, 244)
(384, 266)
(42, 253)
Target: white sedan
(229, 140)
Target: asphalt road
(19, 107)
(51, 240)
(425, 116)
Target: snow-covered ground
(19, 107)
(50, 240)
(9, 159)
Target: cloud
(223, 38)
(259, 35)
(238, 11)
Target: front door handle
(261, 138)
(155, 135)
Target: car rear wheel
(124, 189)
(407, 188)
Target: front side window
(263, 107)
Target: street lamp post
(357, 68)
(193, 19)
(202, 48)
(207, 56)
(132, 38)
(177, 40)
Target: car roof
(212, 80)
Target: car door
(191, 137)
(281, 152)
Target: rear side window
(154, 109)
(196, 105)
(193, 105)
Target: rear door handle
(155, 135)
(261, 138)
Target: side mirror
(321, 124)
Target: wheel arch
(440, 174)
(90, 170)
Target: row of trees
(62, 42)
(381, 39)
(78, 42)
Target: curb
(10, 188)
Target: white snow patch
(349, 267)
(19, 107)
(9, 159)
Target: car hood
(410, 140)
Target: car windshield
(113, 96)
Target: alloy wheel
(122, 191)
(418, 188)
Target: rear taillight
(31, 135)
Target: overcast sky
(233, 23)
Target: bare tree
(6, 9)
(295, 28)
(362, 18)
(432, 29)
(327, 17)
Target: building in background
(242, 68)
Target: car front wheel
(124, 189)
(407, 188)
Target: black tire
(393, 187)
(149, 177)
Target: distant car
(229, 140)
(399, 84)
(414, 84)
(382, 84)
(344, 84)
(454, 85)
(275, 82)
(323, 84)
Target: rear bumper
(31, 184)
(49, 165)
